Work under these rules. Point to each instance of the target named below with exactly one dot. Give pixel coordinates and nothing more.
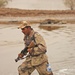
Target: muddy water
(60, 46)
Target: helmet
(23, 25)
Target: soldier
(35, 49)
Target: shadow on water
(50, 27)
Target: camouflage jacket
(38, 55)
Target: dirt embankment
(22, 13)
(13, 12)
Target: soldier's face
(25, 31)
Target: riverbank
(34, 16)
(25, 13)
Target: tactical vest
(28, 39)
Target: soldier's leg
(31, 70)
(23, 70)
(42, 69)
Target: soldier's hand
(29, 50)
(20, 55)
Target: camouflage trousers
(41, 69)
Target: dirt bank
(21, 13)
(67, 15)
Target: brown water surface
(60, 47)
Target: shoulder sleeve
(41, 46)
(40, 40)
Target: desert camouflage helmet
(23, 25)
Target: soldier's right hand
(20, 55)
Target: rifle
(18, 58)
(24, 51)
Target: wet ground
(60, 47)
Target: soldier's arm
(41, 46)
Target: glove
(20, 55)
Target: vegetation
(3, 3)
(70, 4)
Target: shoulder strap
(33, 38)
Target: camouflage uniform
(37, 59)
